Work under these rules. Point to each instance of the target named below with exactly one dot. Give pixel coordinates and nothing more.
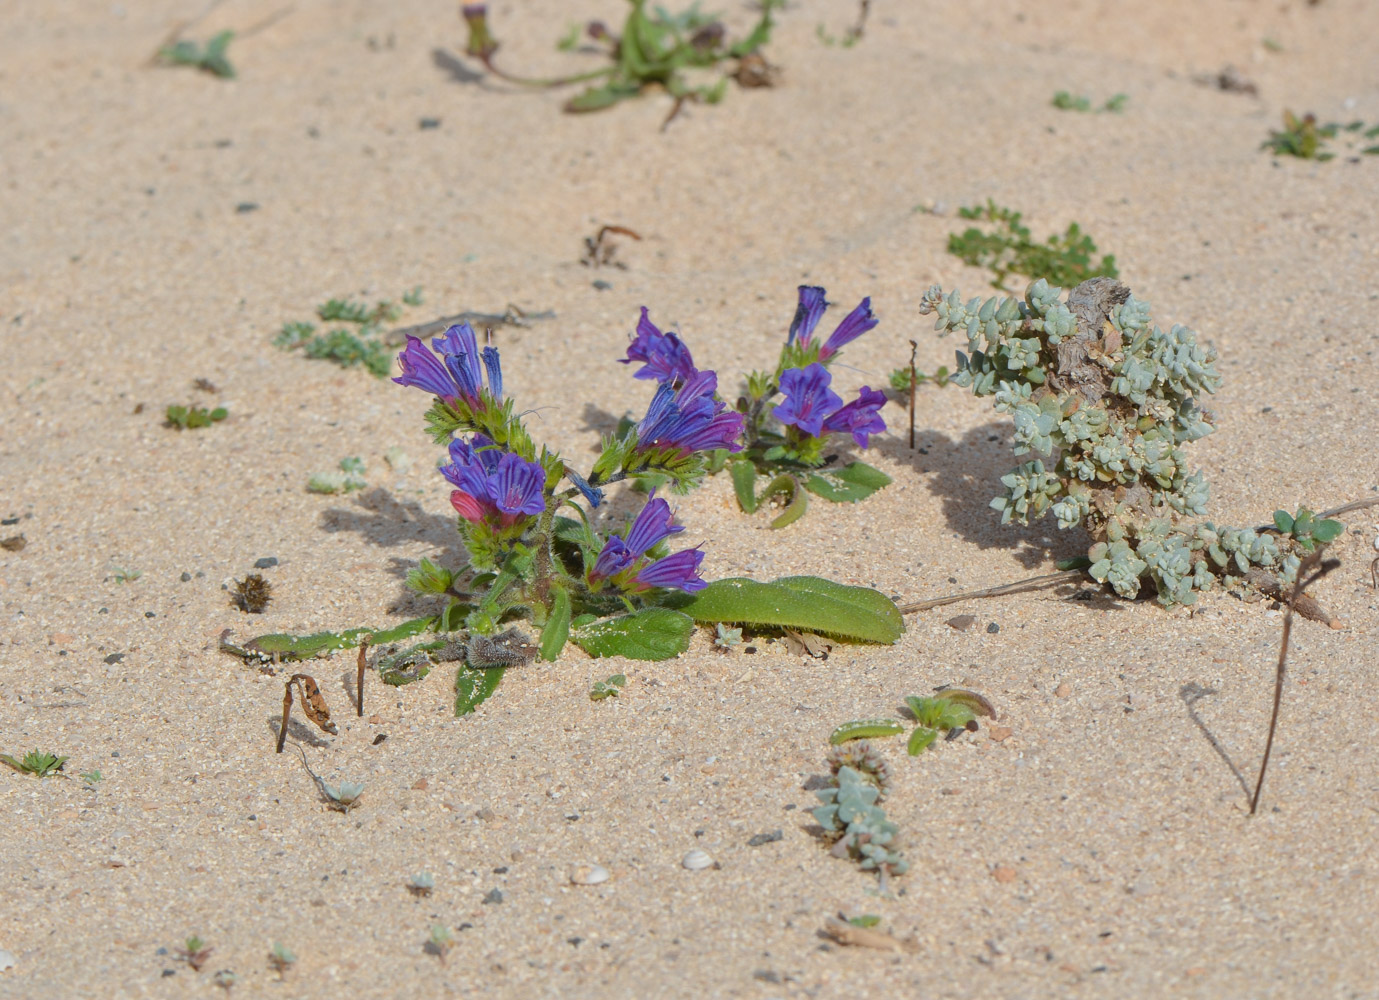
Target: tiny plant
(210, 58)
(1065, 101)
(853, 34)
(192, 417)
(440, 941)
(1305, 139)
(726, 638)
(346, 479)
(421, 884)
(252, 594)
(36, 762)
(655, 48)
(607, 688)
(1007, 249)
(858, 826)
(866, 761)
(195, 952)
(122, 575)
(359, 342)
(1111, 401)
(950, 709)
(280, 959)
(92, 777)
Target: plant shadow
(1192, 693)
(384, 520)
(451, 65)
(966, 474)
(298, 731)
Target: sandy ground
(1101, 849)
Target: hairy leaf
(854, 481)
(649, 634)
(473, 687)
(744, 485)
(800, 602)
(557, 628)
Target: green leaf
(744, 485)
(797, 503)
(854, 481)
(649, 634)
(1327, 530)
(1283, 521)
(428, 578)
(865, 729)
(598, 98)
(1076, 562)
(399, 632)
(810, 603)
(473, 687)
(920, 740)
(557, 628)
(452, 619)
(303, 647)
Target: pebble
(697, 860)
(962, 622)
(589, 874)
(7, 960)
(1004, 874)
(1063, 690)
(993, 628)
(266, 562)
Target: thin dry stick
(1374, 572)
(1299, 585)
(1033, 583)
(359, 683)
(914, 347)
(287, 710)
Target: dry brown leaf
(865, 937)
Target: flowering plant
(612, 590)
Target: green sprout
(441, 941)
(421, 884)
(1065, 101)
(1063, 260)
(280, 959)
(195, 952)
(1305, 530)
(951, 708)
(92, 777)
(189, 418)
(1306, 139)
(349, 478)
(121, 575)
(655, 48)
(727, 637)
(607, 688)
(211, 59)
(36, 762)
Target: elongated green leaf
(801, 602)
(865, 729)
(303, 647)
(399, 632)
(473, 687)
(920, 740)
(797, 503)
(745, 486)
(854, 481)
(557, 628)
(598, 98)
(649, 634)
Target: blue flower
(664, 356)
(461, 377)
(808, 398)
(591, 493)
(620, 555)
(860, 418)
(422, 369)
(494, 485)
(811, 309)
(689, 419)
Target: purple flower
(677, 571)
(808, 398)
(651, 527)
(591, 493)
(494, 485)
(860, 418)
(689, 419)
(421, 368)
(811, 309)
(664, 356)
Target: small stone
(1000, 733)
(428, 123)
(494, 897)
(245, 207)
(1003, 873)
(114, 658)
(420, 785)
(993, 628)
(266, 562)
(601, 285)
(766, 838)
(697, 860)
(1063, 690)
(486, 814)
(589, 874)
(185, 577)
(962, 622)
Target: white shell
(589, 874)
(7, 960)
(697, 860)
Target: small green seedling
(727, 637)
(864, 920)
(853, 34)
(280, 959)
(1306, 530)
(952, 709)
(1065, 101)
(349, 478)
(210, 59)
(190, 418)
(361, 343)
(1064, 261)
(121, 575)
(92, 777)
(225, 979)
(865, 729)
(440, 943)
(421, 884)
(195, 952)
(858, 826)
(344, 796)
(37, 763)
(1307, 140)
(608, 688)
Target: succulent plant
(851, 818)
(1090, 381)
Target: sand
(1100, 848)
